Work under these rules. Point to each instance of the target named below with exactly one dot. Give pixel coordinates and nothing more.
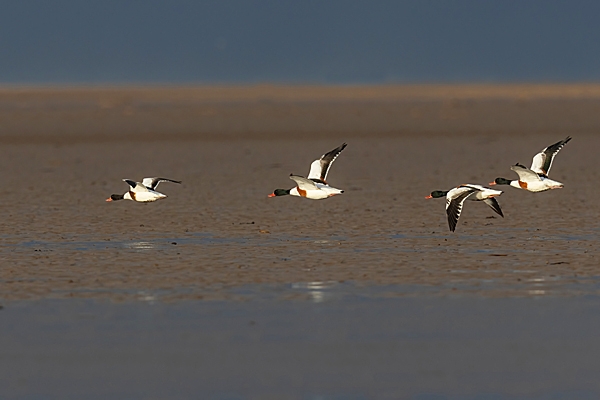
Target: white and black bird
(143, 192)
(535, 178)
(315, 186)
(457, 196)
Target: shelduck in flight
(143, 192)
(457, 196)
(315, 185)
(535, 179)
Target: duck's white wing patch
(525, 174)
(136, 187)
(537, 165)
(152, 183)
(542, 162)
(454, 203)
(319, 168)
(315, 170)
(304, 183)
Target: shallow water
(333, 341)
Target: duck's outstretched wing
(542, 162)
(494, 205)
(454, 203)
(152, 183)
(319, 168)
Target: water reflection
(318, 290)
(537, 279)
(147, 297)
(140, 245)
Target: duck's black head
(501, 181)
(115, 197)
(280, 192)
(436, 194)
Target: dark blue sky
(299, 41)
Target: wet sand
(65, 151)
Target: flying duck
(457, 196)
(143, 192)
(315, 185)
(535, 179)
